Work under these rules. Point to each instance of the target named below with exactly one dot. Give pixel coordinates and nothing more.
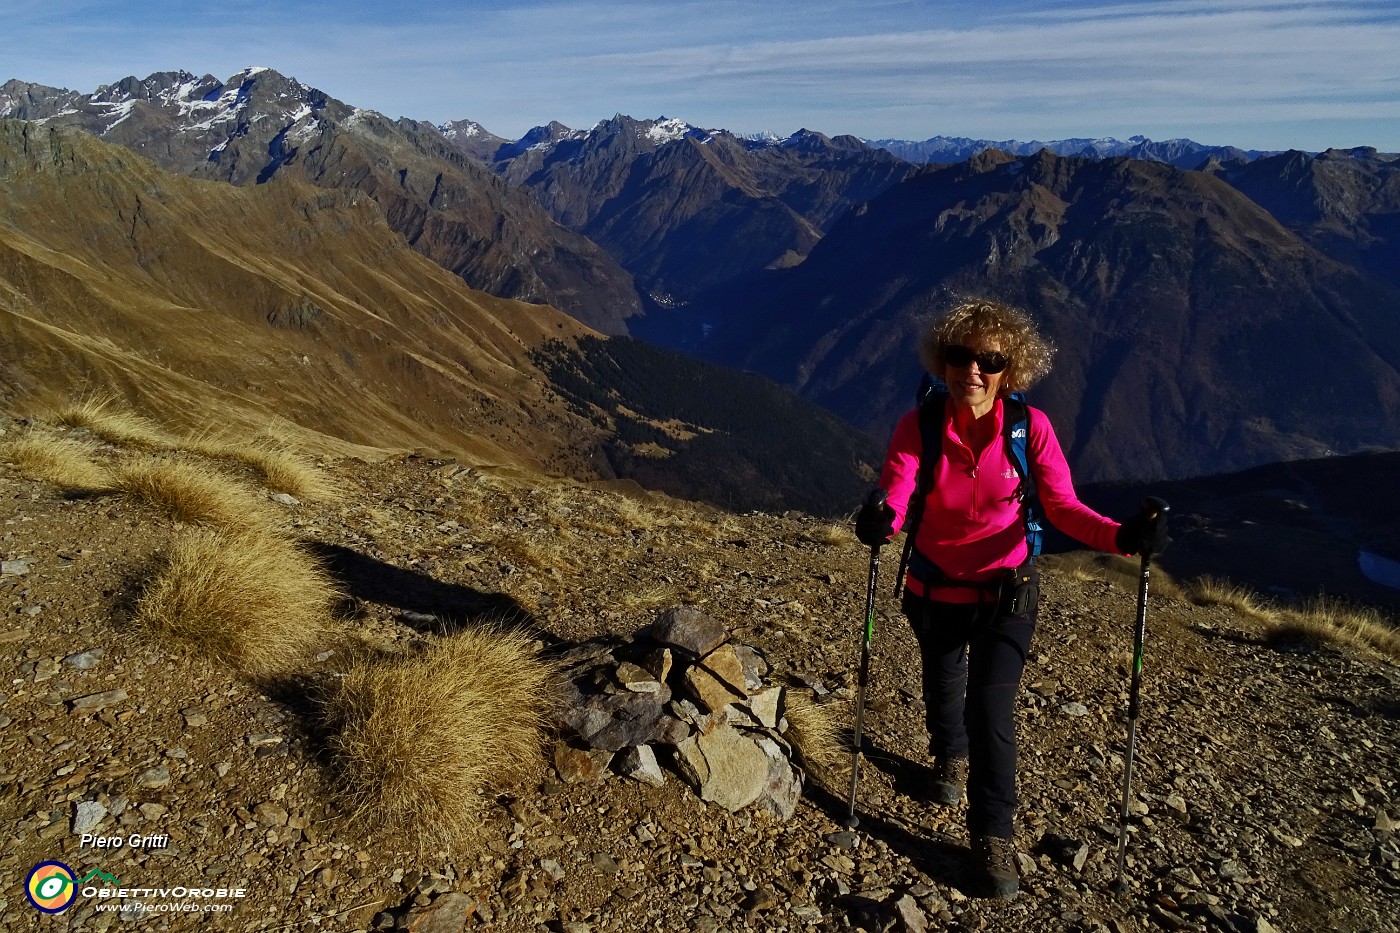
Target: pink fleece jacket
(972, 527)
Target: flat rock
(630, 719)
(713, 689)
(448, 913)
(688, 629)
(638, 679)
(154, 777)
(754, 664)
(658, 663)
(95, 701)
(639, 764)
(911, 917)
(767, 706)
(783, 787)
(726, 767)
(85, 660)
(87, 816)
(270, 814)
(580, 765)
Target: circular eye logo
(50, 887)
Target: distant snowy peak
(1184, 153)
(462, 129)
(665, 130)
(207, 112)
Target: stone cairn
(678, 693)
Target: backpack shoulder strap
(1016, 428)
(933, 403)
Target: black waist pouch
(1020, 591)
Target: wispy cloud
(1250, 72)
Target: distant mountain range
(684, 209)
(290, 307)
(259, 125)
(1215, 308)
(1183, 153)
(1197, 332)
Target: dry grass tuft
(254, 601)
(114, 423)
(647, 596)
(58, 460)
(281, 467)
(831, 535)
(1212, 591)
(819, 734)
(418, 739)
(194, 493)
(633, 515)
(533, 552)
(1333, 622)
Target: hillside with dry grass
(278, 305)
(288, 308)
(334, 701)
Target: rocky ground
(1265, 781)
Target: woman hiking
(971, 593)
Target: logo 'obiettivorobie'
(51, 887)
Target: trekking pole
(876, 500)
(1156, 511)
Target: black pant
(973, 655)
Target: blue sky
(1252, 73)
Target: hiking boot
(994, 867)
(949, 780)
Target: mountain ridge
(290, 305)
(1155, 278)
(260, 124)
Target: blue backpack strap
(932, 398)
(1016, 427)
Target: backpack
(932, 399)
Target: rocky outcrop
(682, 694)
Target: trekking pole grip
(1156, 511)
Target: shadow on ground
(941, 858)
(424, 603)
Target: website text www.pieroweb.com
(52, 888)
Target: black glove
(875, 523)
(1145, 532)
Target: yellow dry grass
(633, 515)
(1333, 622)
(254, 601)
(194, 493)
(115, 423)
(831, 535)
(539, 553)
(418, 739)
(281, 467)
(57, 460)
(819, 733)
(652, 596)
(1213, 591)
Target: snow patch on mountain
(463, 129)
(122, 112)
(665, 131)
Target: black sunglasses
(955, 354)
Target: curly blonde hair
(981, 319)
